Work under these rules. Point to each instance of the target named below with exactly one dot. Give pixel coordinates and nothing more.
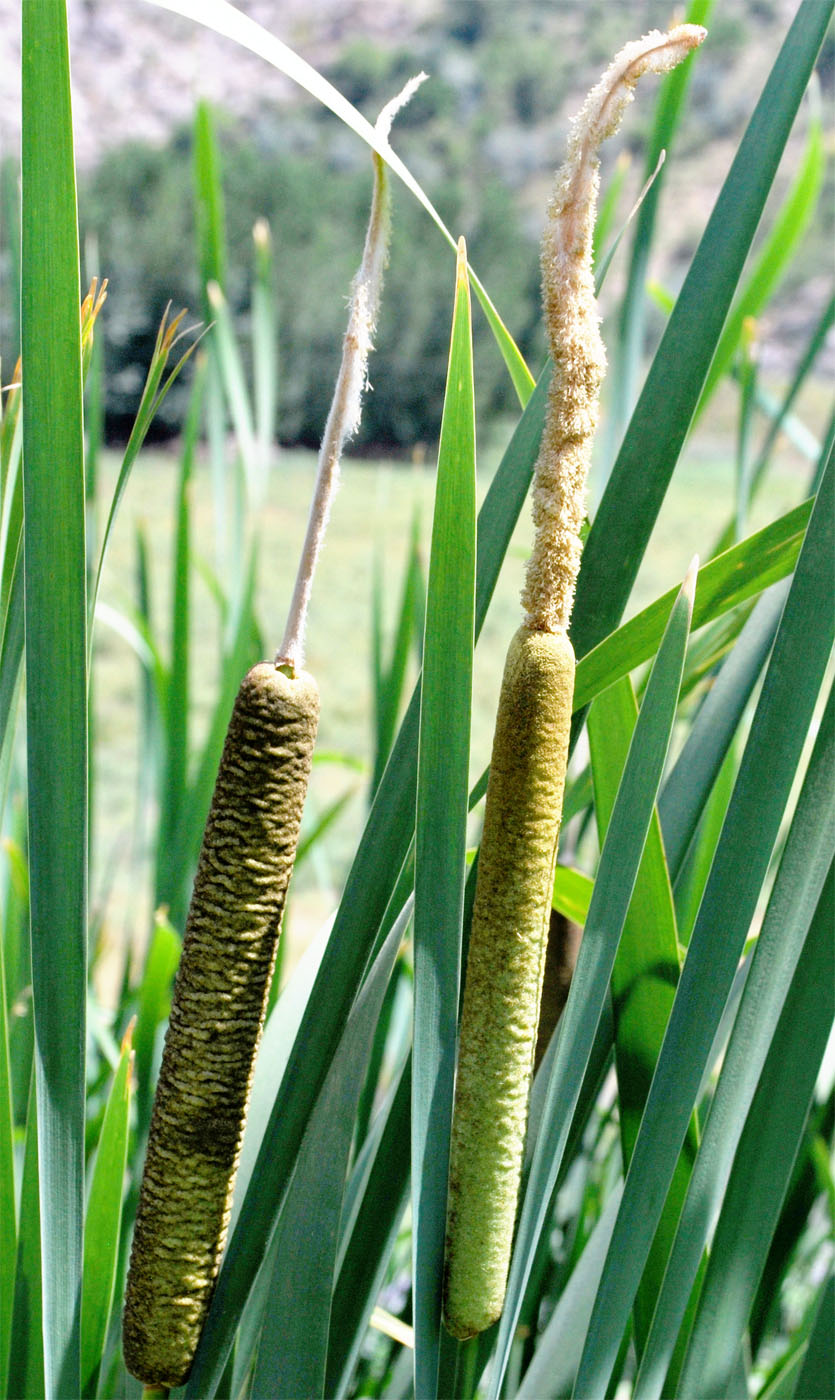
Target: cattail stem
(523, 810)
(233, 927)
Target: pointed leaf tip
(461, 269)
(689, 584)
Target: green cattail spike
(504, 973)
(523, 808)
(216, 1017)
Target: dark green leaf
(723, 583)
(768, 766)
(644, 976)
(819, 1362)
(684, 793)
(8, 1228)
(628, 350)
(293, 1348)
(26, 1358)
(56, 666)
(441, 833)
(372, 1236)
(808, 854)
(763, 1163)
(101, 1228)
(773, 257)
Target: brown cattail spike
(216, 1016)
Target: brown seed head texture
(216, 1017)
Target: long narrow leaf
(264, 345)
(659, 425)
(619, 862)
(168, 880)
(773, 258)
(764, 1160)
(792, 681)
(781, 416)
(222, 17)
(809, 851)
(8, 1228)
(441, 832)
(723, 583)
(293, 1349)
(101, 1234)
(554, 1364)
(626, 360)
(644, 976)
(684, 793)
(210, 214)
(371, 1240)
(819, 1361)
(56, 671)
(26, 1356)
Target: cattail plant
(234, 921)
(523, 808)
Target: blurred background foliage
(482, 136)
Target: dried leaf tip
(461, 263)
(572, 326)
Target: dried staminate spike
(572, 326)
(504, 973)
(216, 1017)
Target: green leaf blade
(8, 1228)
(292, 1353)
(809, 851)
(763, 1163)
(56, 670)
(746, 569)
(644, 976)
(101, 1233)
(789, 226)
(26, 1355)
(441, 832)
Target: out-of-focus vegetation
(482, 136)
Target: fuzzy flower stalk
(352, 381)
(523, 809)
(573, 328)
